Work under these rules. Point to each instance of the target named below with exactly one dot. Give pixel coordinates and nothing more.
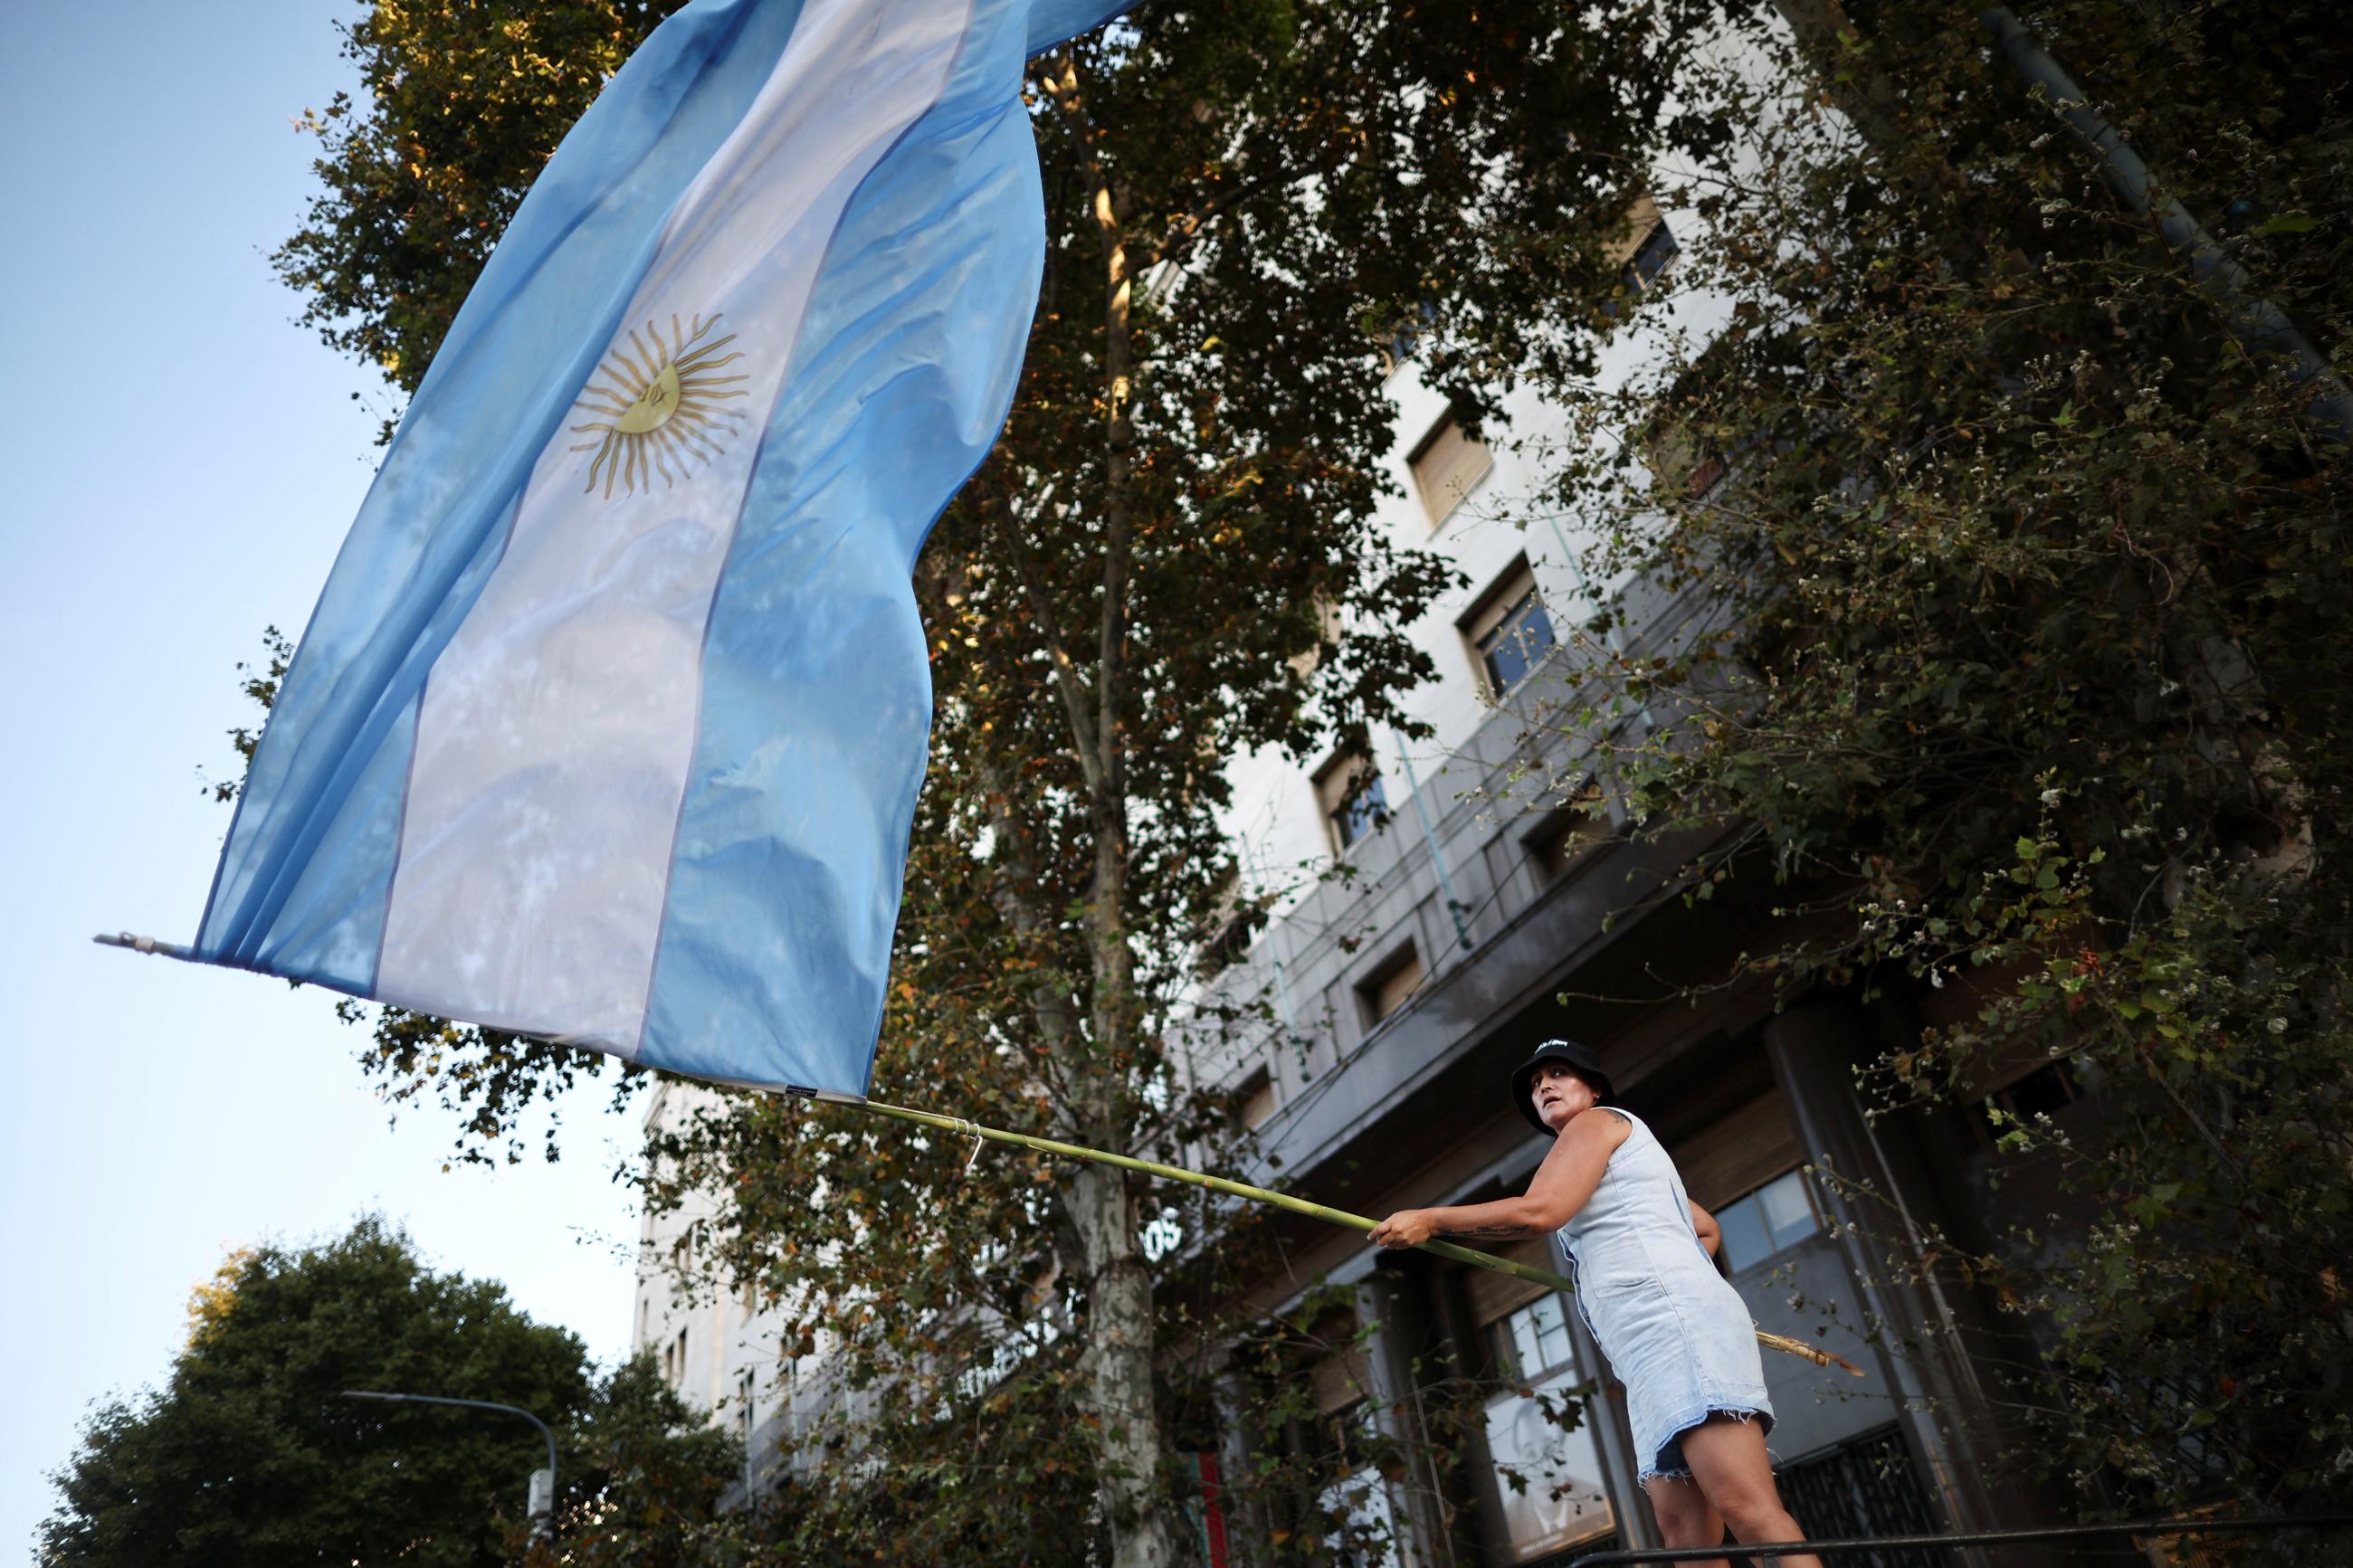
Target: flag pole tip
(137, 944)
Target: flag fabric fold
(608, 725)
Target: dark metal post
(1926, 1331)
(1389, 1298)
(545, 1524)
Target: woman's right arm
(1562, 1185)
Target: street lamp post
(542, 1499)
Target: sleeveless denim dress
(1676, 1332)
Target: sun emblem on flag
(663, 406)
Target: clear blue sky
(177, 464)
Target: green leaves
(247, 1455)
(464, 102)
(2033, 681)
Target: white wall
(724, 1344)
(1276, 818)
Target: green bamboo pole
(962, 1128)
(958, 1125)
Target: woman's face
(1559, 1094)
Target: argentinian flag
(610, 722)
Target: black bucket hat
(1583, 1060)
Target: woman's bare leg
(1685, 1516)
(1727, 1457)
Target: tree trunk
(1118, 1359)
(1118, 1370)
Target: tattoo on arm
(1491, 1232)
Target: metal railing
(1772, 1550)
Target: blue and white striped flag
(610, 722)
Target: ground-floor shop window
(1769, 1221)
(1548, 1474)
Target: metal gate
(1864, 1485)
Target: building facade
(723, 1350)
(1495, 895)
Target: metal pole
(1775, 1549)
(2266, 328)
(546, 1519)
(962, 1128)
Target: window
(1743, 1169)
(1651, 256)
(1770, 1220)
(2046, 1089)
(1517, 644)
(1391, 986)
(1255, 1100)
(1230, 941)
(1347, 1439)
(1526, 1345)
(1739, 1153)
(1232, 924)
(1349, 790)
(1402, 344)
(1447, 466)
(1568, 838)
(1645, 247)
(1548, 1486)
(1342, 1384)
(1704, 476)
(1326, 613)
(1695, 453)
(746, 1393)
(747, 1301)
(674, 1360)
(1509, 630)
(1679, 463)
(1493, 1296)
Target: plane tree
(1172, 558)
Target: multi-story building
(1495, 909)
(1481, 912)
(723, 1351)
